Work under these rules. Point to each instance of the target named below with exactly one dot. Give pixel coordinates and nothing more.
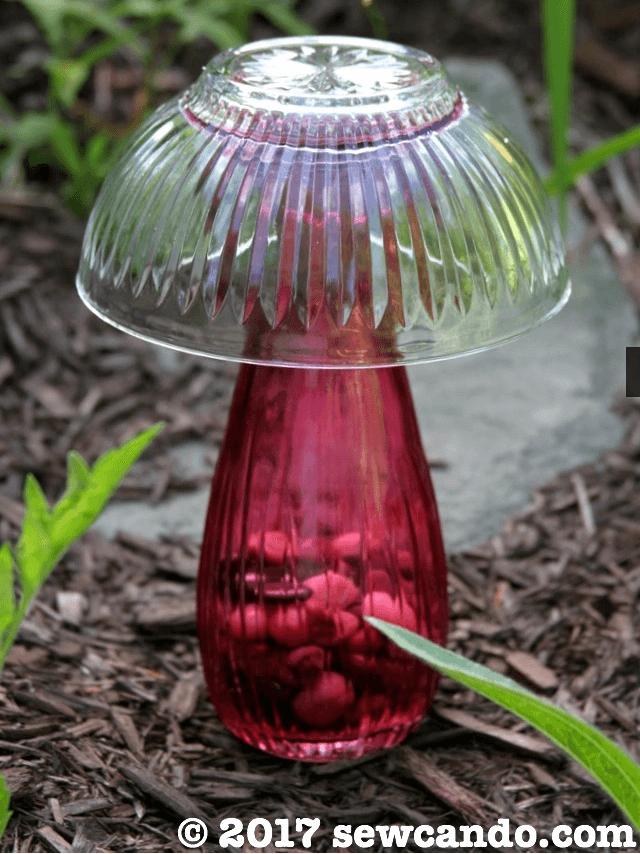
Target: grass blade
(558, 20)
(283, 17)
(5, 813)
(194, 23)
(376, 19)
(594, 157)
(613, 769)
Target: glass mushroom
(324, 210)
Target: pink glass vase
(321, 511)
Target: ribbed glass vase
(321, 512)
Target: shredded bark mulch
(107, 738)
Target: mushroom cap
(323, 201)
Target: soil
(107, 738)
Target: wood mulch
(107, 738)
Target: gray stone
(510, 418)
(505, 420)
(182, 514)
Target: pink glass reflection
(321, 511)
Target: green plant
(5, 812)
(614, 769)
(82, 33)
(376, 20)
(558, 28)
(593, 158)
(48, 532)
(558, 25)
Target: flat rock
(508, 419)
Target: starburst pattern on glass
(307, 194)
(306, 70)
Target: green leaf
(49, 15)
(7, 598)
(78, 474)
(283, 17)
(67, 23)
(108, 47)
(66, 148)
(112, 466)
(97, 154)
(21, 135)
(33, 548)
(67, 76)
(89, 13)
(5, 812)
(558, 17)
(239, 18)
(614, 769)
(32, 129)
(35, 500)
(70, 520)
(194, 24)
(138, 8)
(594, 157)
(376, 19)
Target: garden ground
(107, 738)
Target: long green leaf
(33, 548)
(558, 17)
(92, 17)
(5, 813)
(282, 16)
(593, 158)
(614, 769)
(67, 76)
(49, 15)
(376, 19)
(194, 24)
(20, 135)
(7, 598)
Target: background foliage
(79, 35)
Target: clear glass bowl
(324, 202)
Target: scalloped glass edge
(417, 357)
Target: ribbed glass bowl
(323, 201)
